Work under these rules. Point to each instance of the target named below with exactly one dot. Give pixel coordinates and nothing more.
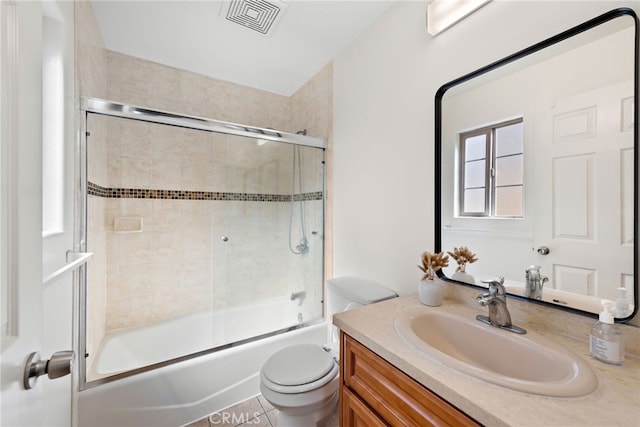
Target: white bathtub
(182, 392)
(131, 348)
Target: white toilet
(301, 381)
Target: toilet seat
(299, 368)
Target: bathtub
(131, 348)
(183, 392)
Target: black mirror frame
(615, 13)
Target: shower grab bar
(74, 260)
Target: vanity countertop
(616, 401)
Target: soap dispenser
(605, 340)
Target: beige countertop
(616, 401)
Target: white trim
(8, 172)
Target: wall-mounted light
(441, 14)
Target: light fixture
(441, 14)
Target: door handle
(543, 250)
(59, 365)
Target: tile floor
(256, 412)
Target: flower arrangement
(432, 263)
(462, 255)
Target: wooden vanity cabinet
(375, 393)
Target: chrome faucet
(535, 282)
(496, 299)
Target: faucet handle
(499, 280)
(496, 286)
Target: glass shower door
(262, 283)
(201, 239)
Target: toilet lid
(298, 364)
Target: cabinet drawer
(357, 414)
(394, 396)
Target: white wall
(384, 89)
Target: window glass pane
(492, 162)
(52, 127)
(474, 201)
(509, 170)
(474, 174)
(509, 139)
(475, 147)
(509, 201)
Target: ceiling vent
(258, 15)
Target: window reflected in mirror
(491, 167)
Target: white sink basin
(519, 362)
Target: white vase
(431, 292)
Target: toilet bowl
(302, 380)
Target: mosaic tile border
(143, 193)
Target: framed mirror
(536, 169)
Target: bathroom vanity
(375, 392)
(387, 381)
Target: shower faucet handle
(300, 295)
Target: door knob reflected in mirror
(59, 365)
(543, 250)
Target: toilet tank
(347, 292)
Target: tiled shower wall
(105, 74)
(177, 263)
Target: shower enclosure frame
(114, 109)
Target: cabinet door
(394, 396)
(356, 414)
